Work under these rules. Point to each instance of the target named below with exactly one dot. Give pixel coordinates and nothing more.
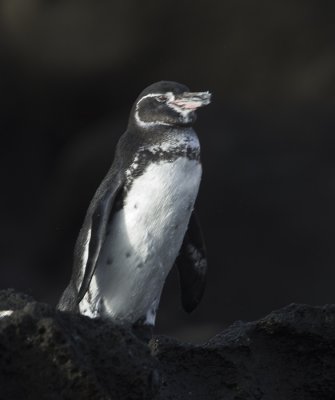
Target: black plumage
(163, 113)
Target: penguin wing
(192, 265)
(96, 219)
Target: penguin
(141, 220)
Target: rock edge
(48, 354)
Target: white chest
(160, 203)
(145, 238)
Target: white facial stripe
(144, 124)
(184, 112)
(168, 94)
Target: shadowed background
(69, 73)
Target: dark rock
(290, 354)
(12, 300)
(46, 354)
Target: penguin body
(136, 224)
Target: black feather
(192, 266)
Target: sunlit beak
(192, 101)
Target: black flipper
(98, 216)
(192, 266)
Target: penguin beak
(192, 101)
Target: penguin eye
(161, 98)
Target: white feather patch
(6, 313)
(89, 305)
(144, 241)
(187, 140)
(84, 257)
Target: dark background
(69, 73)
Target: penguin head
(168, 104)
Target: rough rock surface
(46, 354)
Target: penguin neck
(164, 137)
(158, 149)
(170, 146)
(176, 140)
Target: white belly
(143, 243)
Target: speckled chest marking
(143, 241)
